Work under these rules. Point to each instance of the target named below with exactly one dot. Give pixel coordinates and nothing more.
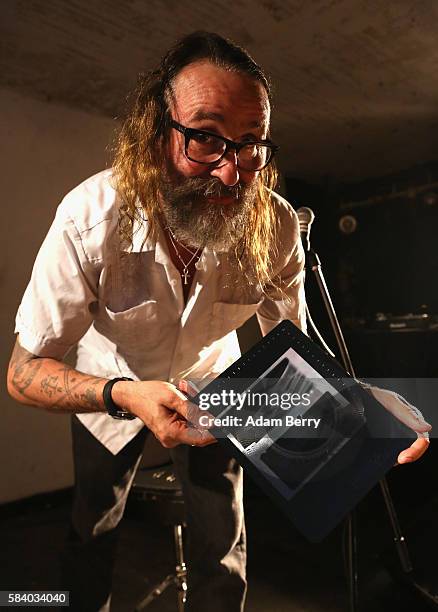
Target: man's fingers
(182, 386)
(187, 387)
(195, 437)
(414, 452)
(189, 411)
(192, 432)
(401, 409)
(179, 403)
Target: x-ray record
(308, 433)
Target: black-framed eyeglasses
(206, 148)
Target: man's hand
(407, 414)
(55, 386)
(164, 410)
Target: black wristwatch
(113, 410)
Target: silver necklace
(175, 239)
(185, 273)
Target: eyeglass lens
(207, 149)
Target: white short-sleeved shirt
(125, 310)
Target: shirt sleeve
(274, 307)
(55, 311)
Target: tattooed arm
(53, 385)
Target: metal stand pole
(179, 578)
(181, 569)
(313, 263)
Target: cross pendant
(186, 275)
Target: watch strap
(112, 408)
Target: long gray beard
(197, 223)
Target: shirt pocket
(226, 317)
(132, 329)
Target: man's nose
(227, 171)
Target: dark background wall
(377, 242)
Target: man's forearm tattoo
(49, 386)
(75, 394)
(25, 368)
(66, 389)
(89, 398)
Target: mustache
(211, 187)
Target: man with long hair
(149, 268)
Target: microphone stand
(313, 263)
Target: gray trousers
(212, 487)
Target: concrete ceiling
(356, 81)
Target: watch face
(122, 415)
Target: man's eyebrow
(203, 114)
